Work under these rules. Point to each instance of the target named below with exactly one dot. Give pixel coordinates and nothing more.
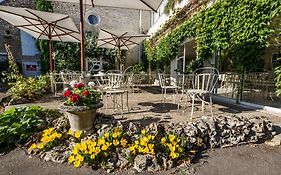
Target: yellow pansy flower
(33, 146)
(123, 142)
(143, 132)
(137, 142)
(115, 142)
(75, 151)
(174, 155)
(40, 146)
(106, 135)
(77, 164)
(172, 137)
(45, 139)
(92, 156)
(115, 135)
(150, 146)
(71, 159)
(101, 141)
(104, 147)
(77, 134)
(163, 140)
(70, 132)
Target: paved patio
(146, 107)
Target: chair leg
(192, 107)
(211, 104)
(203, 103)
(122, 104)
(106, 103)
(165, 94)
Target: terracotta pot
(81, 118)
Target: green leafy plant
(238, 28)
(17, 124)
(66, 54)
(13, 73)
(29, 88)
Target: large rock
(146, 162)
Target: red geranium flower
(74, 98)
(85, 93)
(67, 93)
(79, 85)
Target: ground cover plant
(18, 124)
(29, 89)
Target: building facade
(113, 19)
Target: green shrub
(17, 124)
(29, 88)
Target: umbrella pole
(51, 54)
(82, 37)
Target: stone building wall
(112, 19)
(127, 20)
(14, 39)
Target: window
(3, 57)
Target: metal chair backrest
(205, 79)
(70, 76)
(114, 80)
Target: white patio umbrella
(150, 5)
(42, 25)
(119, 40)
(131, 4)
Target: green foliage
(239, 28)
(17, 124)
(170, 6)
(30, 88)
(278, 79)
(12, 74)
(43, 45)
(67, 55)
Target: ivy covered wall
(239, 29)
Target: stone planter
(81, 118)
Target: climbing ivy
(42, 45)
(238, 28)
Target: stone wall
(14, 38)
(112, 19)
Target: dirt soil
(246, 160)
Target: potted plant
(81, 105)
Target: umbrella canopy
(42, 25)
(119, 40)
(131, 4)
(151, 5)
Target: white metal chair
(67, 77)
(204, 82)
(167, 84)
(113, 88)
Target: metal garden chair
(204, 82)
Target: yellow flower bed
(49, 137)
(90, 150)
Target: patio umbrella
(42, 25)
(119, 40)
(151, 5)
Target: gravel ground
(246, 160)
